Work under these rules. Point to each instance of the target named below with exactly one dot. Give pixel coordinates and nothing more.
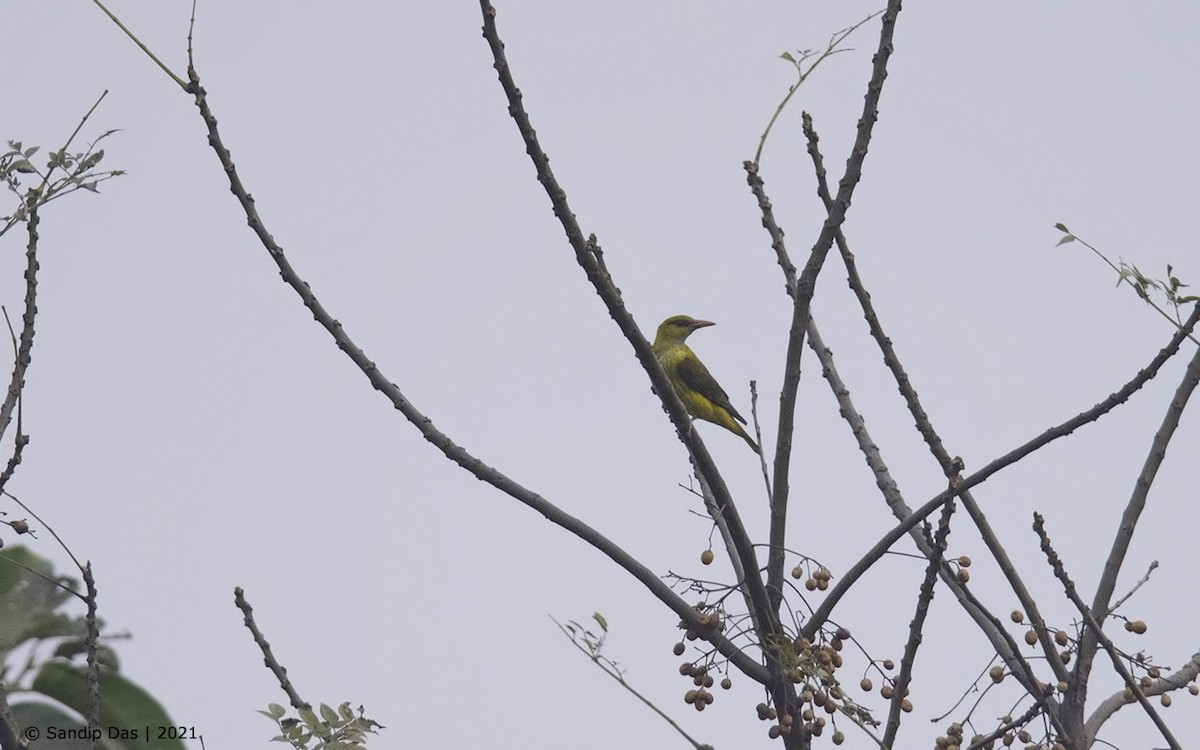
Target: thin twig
(53, 533)
(832, 48)
(1117, 604)
(63, 149)
(610, 669)
(1123, 276)
(143, 47)
(762, 460)
(1004, 729)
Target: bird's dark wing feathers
(696, 376)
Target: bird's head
(677, 328)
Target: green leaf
(788, 56)
(41, 714)
(29, 596)
(77, 646)
(329, 715)
(91, 161)
(599, 618)
(1062, 228)
(1066, 238)
(124, 704)
(308, 717)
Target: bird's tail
(749, 441)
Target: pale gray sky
(193, 429)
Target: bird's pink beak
(702, 324)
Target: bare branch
(806, 283)
(988, 624)
(917, 626)
(801, 290)
(451, 450)
(1110, 705)
(23, 356)
(1066, 428)
(776, 537)
(587, 257)
(950, 466)
(93, 640)
(1094, 628)
(269, 659)
(1133, 511)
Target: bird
(699, 391)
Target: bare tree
(760, 624)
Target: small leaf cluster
(340, 729)
(77, 171)
(1145, 287)
(16, 162)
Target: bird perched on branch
(697, 389)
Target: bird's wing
(696, 376)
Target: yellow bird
(697, 389)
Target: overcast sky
(194, 430)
